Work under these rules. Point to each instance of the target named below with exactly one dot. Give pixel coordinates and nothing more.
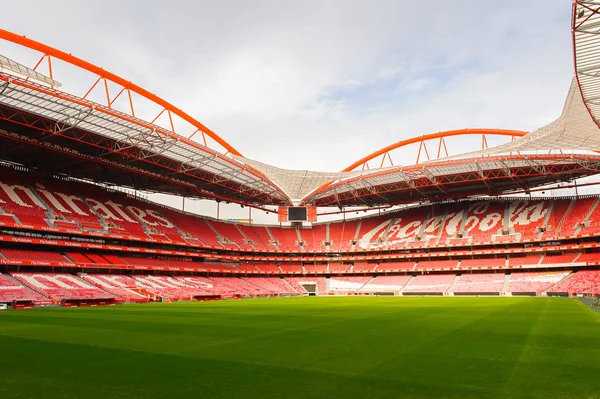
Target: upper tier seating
(314, 238)
(32, 199)
(479, 283)
(11, 290)
(578, 214)
(429, 283)
(230, 236)
(112, 207)
(561, 208)
(259, 236)
(527, 217)
(65, 204)
(59, 286)
(451, 225)
(372, 232)
(581, 282)
(19, 199)
(286, 238)
(341, 235)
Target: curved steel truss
(437, 146)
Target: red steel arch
(127, 86)
(441, 145)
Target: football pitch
(336, 347)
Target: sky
(319, 84)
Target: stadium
(445, 277)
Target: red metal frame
(363, 162)
(441, 182)
(106, 76)
(45, 126)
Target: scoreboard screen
(297, 214)
(306, 213)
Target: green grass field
(356, 347)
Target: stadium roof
(65, 134)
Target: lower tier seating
(275, 285)
(430, 283)
(581, 282)
(479, 283)
(12, 290)
(122, 287)
(44, 287)
(386, 284)
(536, 282)
(61, 286)
(347, 283)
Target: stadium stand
(432, 234)
(23, 254)
(61, 286)
(581, 282)
(429, 284)
(389, 267)
(291, 268)
(347, 284)
(437, 264)
(589, 258)
(479, 284)
(341, 235)
(12, 290)
(319, 268)
(259, 236)
(560, 259)
(480, 263)
(534, 282)
(268, 268)
(274, 285)
(241, 286)
(386, 284)
(286, 238)
(122, 287)
(74, 205)
(172, 288)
